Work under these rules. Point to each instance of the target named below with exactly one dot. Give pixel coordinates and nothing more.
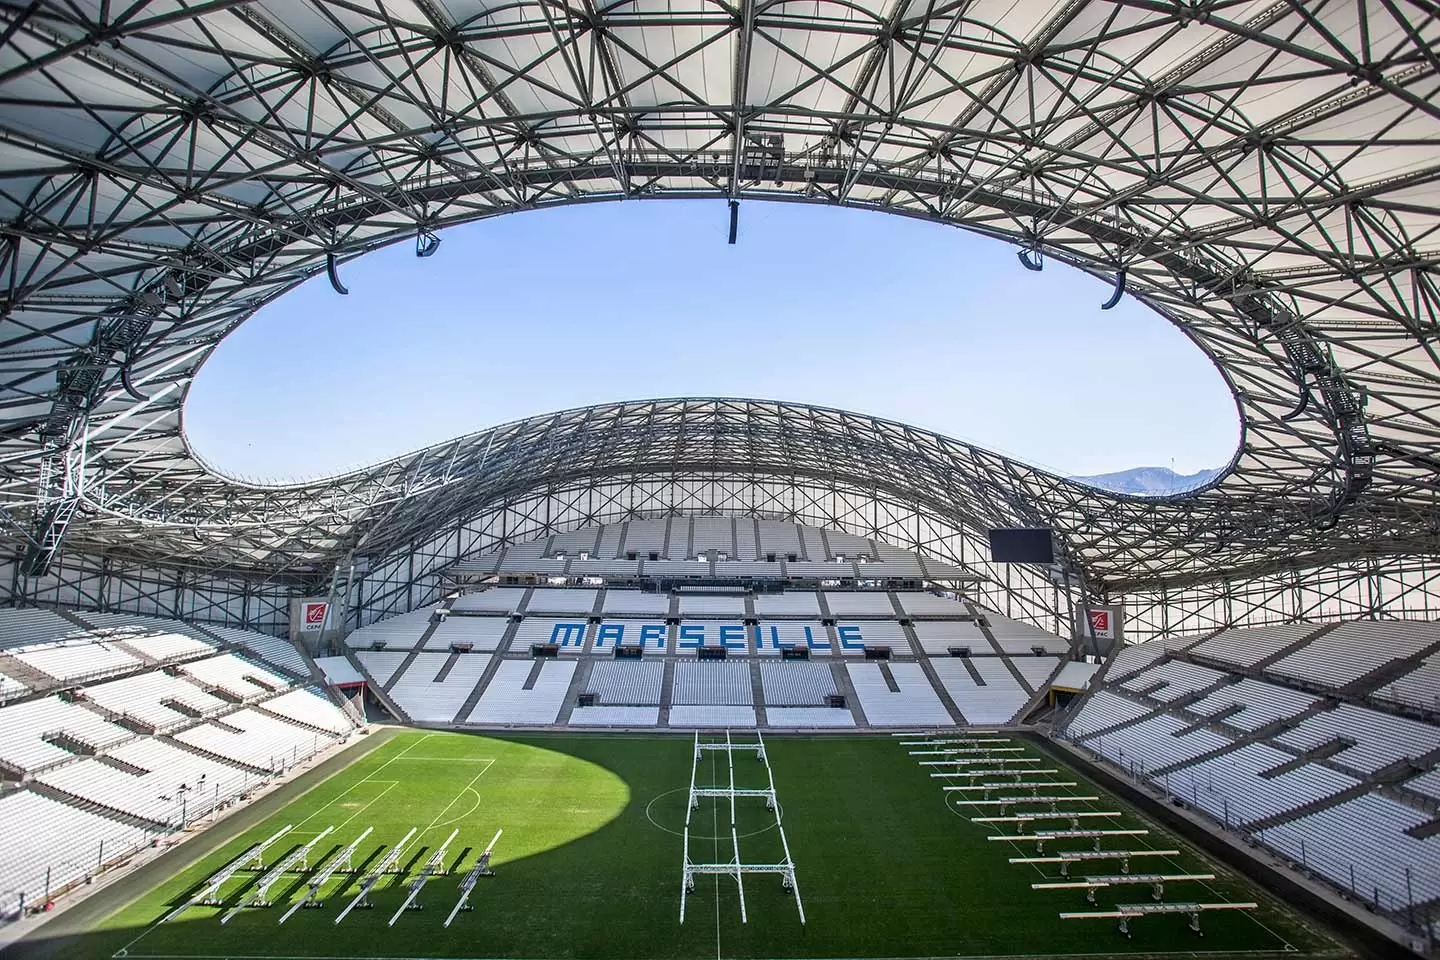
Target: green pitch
(589, 864)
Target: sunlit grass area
(589, 864)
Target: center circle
(661, 808)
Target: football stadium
(683, 677)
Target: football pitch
(589, 863)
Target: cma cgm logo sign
(692, 636)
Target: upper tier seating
(1247, 647)
(273, 650)
(402, 632)
(578, 602)
(859, 603)
(19, 628)
(704, 605)
(482, 633)
(1352, 650)
(921, 604)
(162, 646)
(898, 562)
(132, 621)
(781, 539)
(643, 537)
(494, 600)
(636, 602)
(938, 636)
(711, 533)
(1419, 687)
(1380, 739)
(73, 660)
(1015, 637)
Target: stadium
(682, 676)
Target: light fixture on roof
(426, 243)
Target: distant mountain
(1150, 481)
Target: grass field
(589, 864)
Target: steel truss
(1261, 175)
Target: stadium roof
(1264, 174)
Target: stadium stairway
(757, 689)
(486, 676)
(579, 680)
(667, 684)
(847, 690)
(39, 682)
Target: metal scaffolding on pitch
(342, 862)
(1067, 857)
(972, 774)
(1004, 802)
(253, 858)
(1156, 882)
(467, 883)
(1125, 912)
(390, 864)
(1041, 836)
(260, 896)
(433, 867)
(736, 867)
(1021, 819)
(989, 788)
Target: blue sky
(538, 311)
